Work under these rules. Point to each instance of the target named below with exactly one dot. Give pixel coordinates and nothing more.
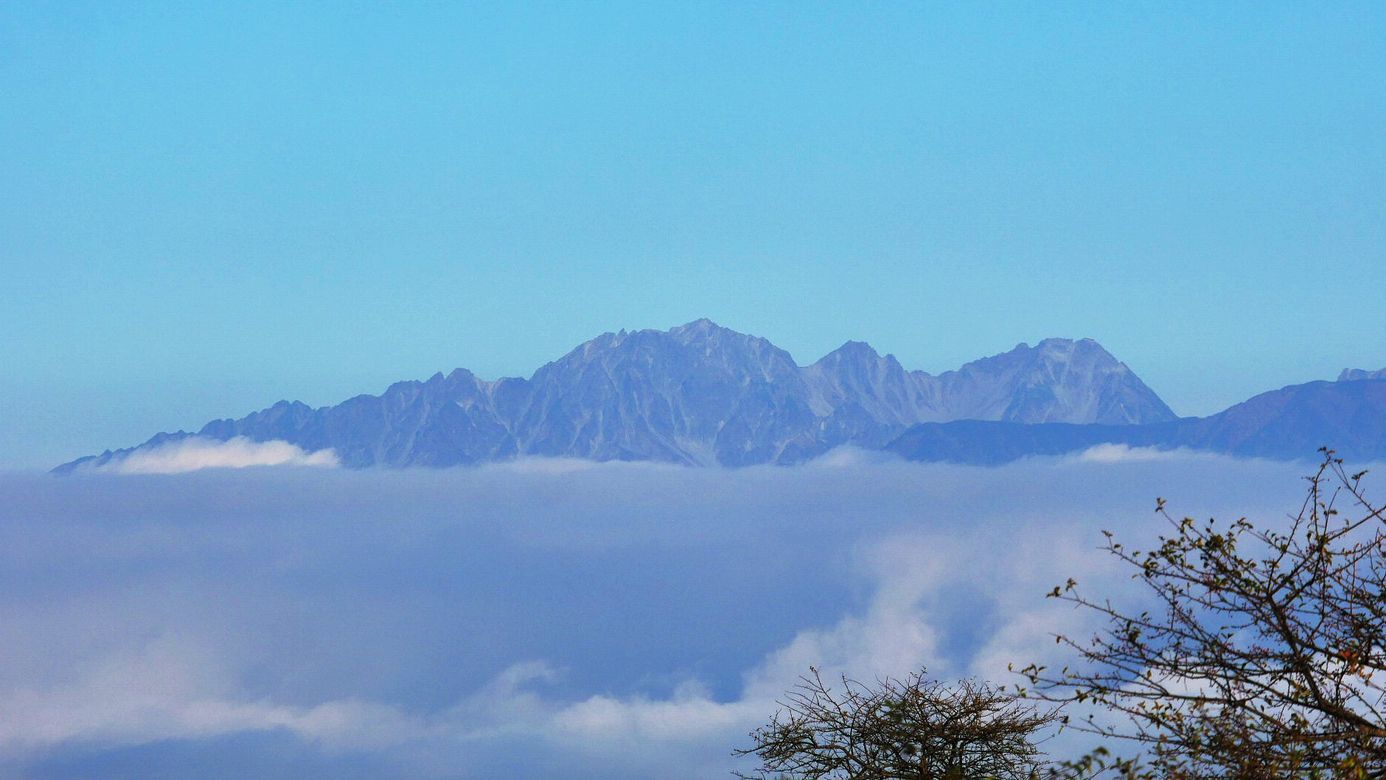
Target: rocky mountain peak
(707, 332)
(851, 352)
(1061, 350)
(1057, 380)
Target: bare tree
(915, 728)
(1263, 653)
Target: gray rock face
(698, 394)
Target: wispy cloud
(172, 690)
(196, 453)
(1125, 453)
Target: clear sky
(205, 208)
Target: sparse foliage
(915, 728)
(1263, 655)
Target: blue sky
(208, 207)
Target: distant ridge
(1286, 424)
(697, 394)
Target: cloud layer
(537, 619)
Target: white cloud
(1124, 453)
(690, 716)
(196, 453)
(848, 456)
(898, 633)
(169, 690)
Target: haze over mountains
(701, 394)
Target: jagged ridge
(697, 394)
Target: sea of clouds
(539, 619)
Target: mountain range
(701, 394)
